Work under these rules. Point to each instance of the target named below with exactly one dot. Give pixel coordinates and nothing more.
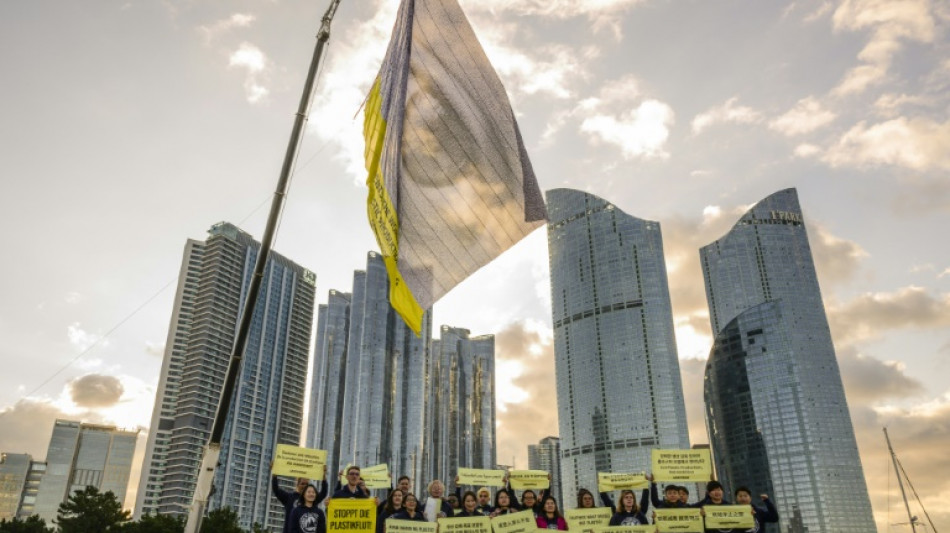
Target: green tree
(156, 524)
(223, 520)
(257, 528)
(33, 524)
(90, 511)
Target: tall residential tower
(776, 411)
(619, 391)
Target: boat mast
(900, 483)
(212, 450)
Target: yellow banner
(607, 482)
(465, 524)
(410, 526)
(729, 517)
(682, 465)
(377, 476)
(521, 522)
(626, 529)
(352, 515)
(481, 477)
(587, 519)
(529, 479)
(293, 461)
(687, 520)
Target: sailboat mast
(900, 482)
(212, 450)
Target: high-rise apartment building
(267, 407)
(14, 470)
(368, 390)
(776, 411)
(82, 455)
(546, 456)
(619, 390)
(460, 415)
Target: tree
(90, 511)
(156, 524)
(33, 524)
(257, 528)
(223, 520)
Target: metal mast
(900, 483)
(212, 450)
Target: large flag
(450, 184)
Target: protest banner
(410, 526)
(729, 517)
(682, 465)
(520, 522)
(465, 524)
(587, 520)
(481, 477)
(377, 476)
(607, 482)
(529, 479)
(352, 515)
(685, 520)
(626, 529)
(293, 461)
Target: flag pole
(212, 450)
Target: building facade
(367, 402)
(546, 456)
(267, 406)
(619, 389)
(14, 470)
(82, 455)
(776, 411)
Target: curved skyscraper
(619, 391)
(776, 411)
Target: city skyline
(129, 127)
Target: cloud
(806, 150)
(639, 132)
(156, 349)
(945, 273)
(254, 62)
(836, 260)
(889, 24)
(868, 380)
(237, 20)
(693, 373)
(920, 195)
(917, 143)
(728, 112)
(95, 390)
(73, 297)
(26, 427)
(807, 116)
(81, 339)
(871, 314)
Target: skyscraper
(267, 407)
(82, 455)
(369, 378)
(14, 469)
(776, 411)
(619, 391)
(546, 456)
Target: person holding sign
(530, 501)
(628, 512)
(469, 506)
(390, 507)
(550, 517)
(411, 510)
(291, 500)
(307, 517)
(671, 496)
(435, 507)
(504, 504)
(355, 487)
(762, 516)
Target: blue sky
(129, 127)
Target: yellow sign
(521, 522)
(410, 526)
(626, 529)
(465, 524)
(682, 465)
(529, 479)
(293, 461)
(353, 515)
(376, 477)
(587, 519)
(607, 482)
(729, 517)
(481, 477)
(686, 520)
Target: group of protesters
(303, 514)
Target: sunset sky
(128, 127)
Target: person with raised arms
(355, 487)
(436, 490)
(550, 517)
(290, 500)
(628, 513)
(671, 496)
(307, 517)
(504, 504)
(762, 515)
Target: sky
(128, 127)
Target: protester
(436, 490)
(411, 510)
(355, 487)
(585, 499)
(484, 501)
(393, 505)
(671, 496)
(504, 504)
(550, 517)
(290, 500)
(530, 501)
(307, 517)
(762, 515)
(469, 505)
(628, 513)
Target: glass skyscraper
(546, 456)
(776, 412)
(14, 470)
(267, 407)
(82, 455)
(367, 399)
(619, 390)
